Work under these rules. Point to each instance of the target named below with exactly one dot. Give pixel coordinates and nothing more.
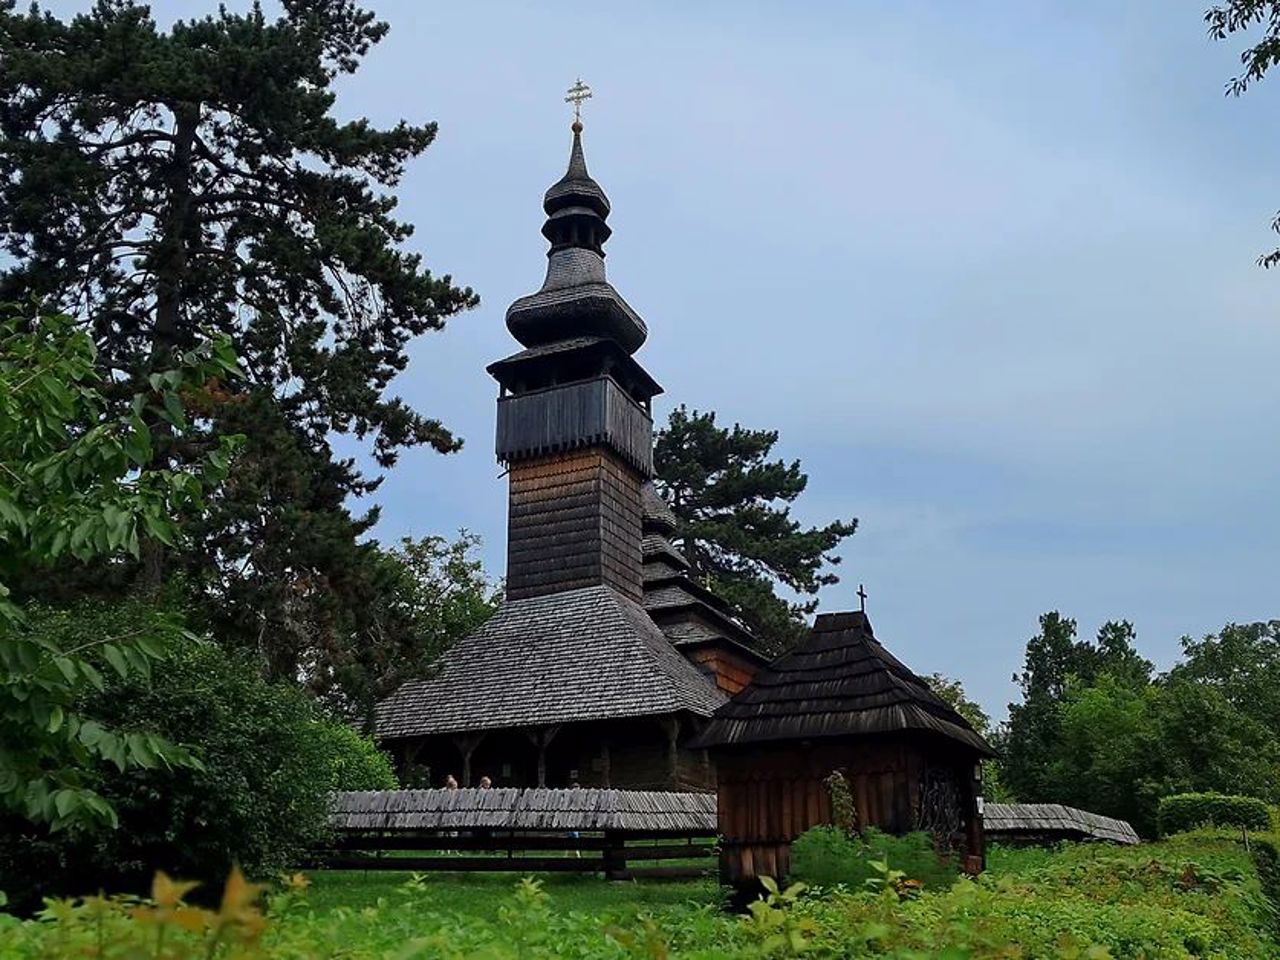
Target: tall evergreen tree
(155, 183)
(733, 505)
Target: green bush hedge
(355, 762)
(1186, 811)
(270, 759)
(1266, 857)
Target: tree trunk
(166, 333)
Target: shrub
(354, 761)
(1186, 811)
(826, 856)
(1266, 858)
(270, 760)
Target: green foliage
(1185, 811)
(1055, 661)
(269, 760)
(774, 924)
(153, 179)
(431, 593)
(844, 814)
(77, 480)
(1120, 750)
(1195, 897)
(1242, 662)
(1096, 730)
(355, 762)
(1240, 16)
(1266, 858)
(733, 506)
(827, 856)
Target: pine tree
(733, 505)
(159, 183)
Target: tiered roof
(576, 300)
(837, 682)
(586, 653)
(688, 613)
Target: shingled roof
(1052, 821)
(688, 613)
(587, 654)
(837, 682)
(510, 808)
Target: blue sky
(989, 268)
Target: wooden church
(605, 656)
(607, 665)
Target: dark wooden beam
(542, 737)
(466, 744)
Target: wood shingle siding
(574, 521)
(839, 682)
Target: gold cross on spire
(577, 93)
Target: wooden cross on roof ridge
(576, 95)
(862, 598)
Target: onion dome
(576, 300)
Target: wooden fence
(622, 834)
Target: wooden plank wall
(770, 795)
(573, 521)
(572, 416)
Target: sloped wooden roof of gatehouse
(839, 681)
(586, 654)
(534, 808)
(1052, 821)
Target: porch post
(541, 738)
(466, 744)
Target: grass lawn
(479, 895)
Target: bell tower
(575, 427)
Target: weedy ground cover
(1192, 896)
